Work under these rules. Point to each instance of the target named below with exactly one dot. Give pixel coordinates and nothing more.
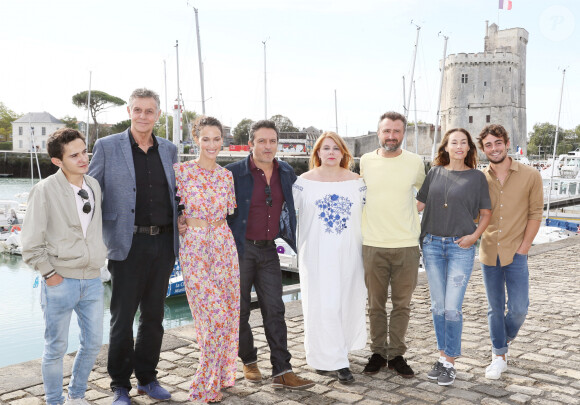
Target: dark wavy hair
(205, 121)
(442, 158)
(493, 129)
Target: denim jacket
(244, 184)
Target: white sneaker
(494, 370)
(76, 401)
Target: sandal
(217, 399)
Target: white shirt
(85, 218)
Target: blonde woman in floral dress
(209, 262)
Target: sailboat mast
(555, 145)
(200, 63)
(265, 86)
(439, 98)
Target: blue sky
(360, 49)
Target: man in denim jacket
(265, 211)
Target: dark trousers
(260, 266)
(139, 282)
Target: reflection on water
(21, 320)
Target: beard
(391, 146)
(497, 159)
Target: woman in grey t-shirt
(453, 195)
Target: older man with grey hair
(135, 171)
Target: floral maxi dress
(211, 275)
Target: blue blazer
(112, 166)
(244, 185)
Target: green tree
(7, 117)
(188, 118)
(120, 126)
(542, 140)
(99, 101)
(70, 122)
(283, 123)
(242, 132)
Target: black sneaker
(376, 362)
(344, 376)
(447, 376)
(401, 367)
(435, 371)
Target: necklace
(445, 205)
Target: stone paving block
(171, 356)
(369, 402)
(565, 332)
(184, 351)
(563, 389)
(519, 379)
(549, 378)
(463, 394)
(431, 387)
(289, 402)
(93, 395)
(492, 401)
(420, 394)
(456, 401)
(244, 390)
(553, 352)
(387, 397)
(522, 389)
(180, 396)
(566, 372)
(566, 399)
(12, 396)
(533, 357)
(36, 390)
(263, 398)
(165, 365)
(490, 391)
(520, 398)
(344, 397)
(103, 383)
(172, 380)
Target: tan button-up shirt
(518, 200)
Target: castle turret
(488, 87)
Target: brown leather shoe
(291, 381)
(252, 373)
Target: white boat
(567, 166)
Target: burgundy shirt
(263, 220)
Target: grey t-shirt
(465, 192)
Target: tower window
(464, 78)
(488, 118)
(471, 119)
(484, 84)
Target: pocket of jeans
(462, 248)
(427, 240)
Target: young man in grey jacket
(62, 239)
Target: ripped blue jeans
(448, 268)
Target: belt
(152, 230)
(261, 243)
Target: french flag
(505, 4)
(520, 151)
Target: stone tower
(488, 87)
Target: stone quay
(544, 361)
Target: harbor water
(21, 319)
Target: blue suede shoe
(154, 390)
(121, 396)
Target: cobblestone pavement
(544, 362)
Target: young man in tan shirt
(517, 203)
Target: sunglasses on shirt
(85, 196)
(268, 196)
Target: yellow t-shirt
(390, 218)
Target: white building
(37, 126)
(488, 87)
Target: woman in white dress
(329, 199)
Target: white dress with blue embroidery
(331, 269)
